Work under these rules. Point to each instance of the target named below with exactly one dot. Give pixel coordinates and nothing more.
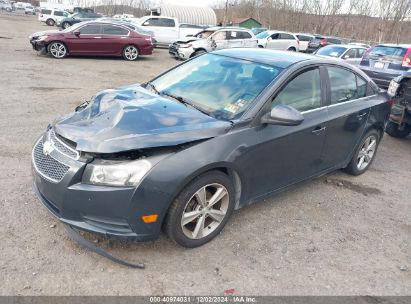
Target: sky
(190, 2)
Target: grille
(46, 166)
(62, 147)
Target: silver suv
(213, 38)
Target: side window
(152, 22)
(220, 36)
(351, 53)
(360, 53)
(361, 87)
(46, 12)
(286, 36)
(244, 35)
(343, 85)
(92, 29)
(275, 36)
(304, 38)
(114, 30)
(167, 22)
(58, 13)
(302, 93)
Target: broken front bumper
(38, 46)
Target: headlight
(116, 173)
(41, 38)
(182, 46)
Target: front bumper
(111, 211)
(180, 53)
(38, 46)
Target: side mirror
(283, 115)
(76, 33)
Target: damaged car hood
(43, 33)
(188, 39)
(131, 118)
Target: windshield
(331, 51)
(73, 27)
(221, 86)
(262, 35)
(385, 52)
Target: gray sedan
(350, 53)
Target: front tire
(201, 210)
(292, 49)
(50, 22)
(198, 53)
(130, 53)
(393, 129)
(365, 153)
(57, 50)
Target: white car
(167, 29)
(29, 10)
(51, 16)
(277, 40)
(304, 39)
(350, 53)
(211, 39)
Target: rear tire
(65, 25)
(365, 153)
(393, 130)
(201, 210)
(292, 49)
(50, 22)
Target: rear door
(234, 39)
(88, 42)
(114, 38)
(164, 28)
(348, 111)
(287, 41)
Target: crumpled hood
(132, 118)
(188, 39)
(42, 33)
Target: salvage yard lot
(336, 235)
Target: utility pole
(225, 13)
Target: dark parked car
(93, 38)
(384, 62)
(399, 124)
(320, 41)
(76, 18)
(211, 135)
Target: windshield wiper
(153, 87)
(185, 102)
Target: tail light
(323, 42)
(406, 62)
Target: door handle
(318, 130)
(361, 115)
(97, 37)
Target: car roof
(394, 45)
(217, 28)
(281, 59)
(347, 46)
(275, 31)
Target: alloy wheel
(205, 211)
(58, 50)
(366, 153)
(131, 52)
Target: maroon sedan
(93, 38)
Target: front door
(219, 40)
(89, 41)
(282, 155)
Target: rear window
(331, 51)
(387, 52)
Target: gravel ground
(336, 235)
